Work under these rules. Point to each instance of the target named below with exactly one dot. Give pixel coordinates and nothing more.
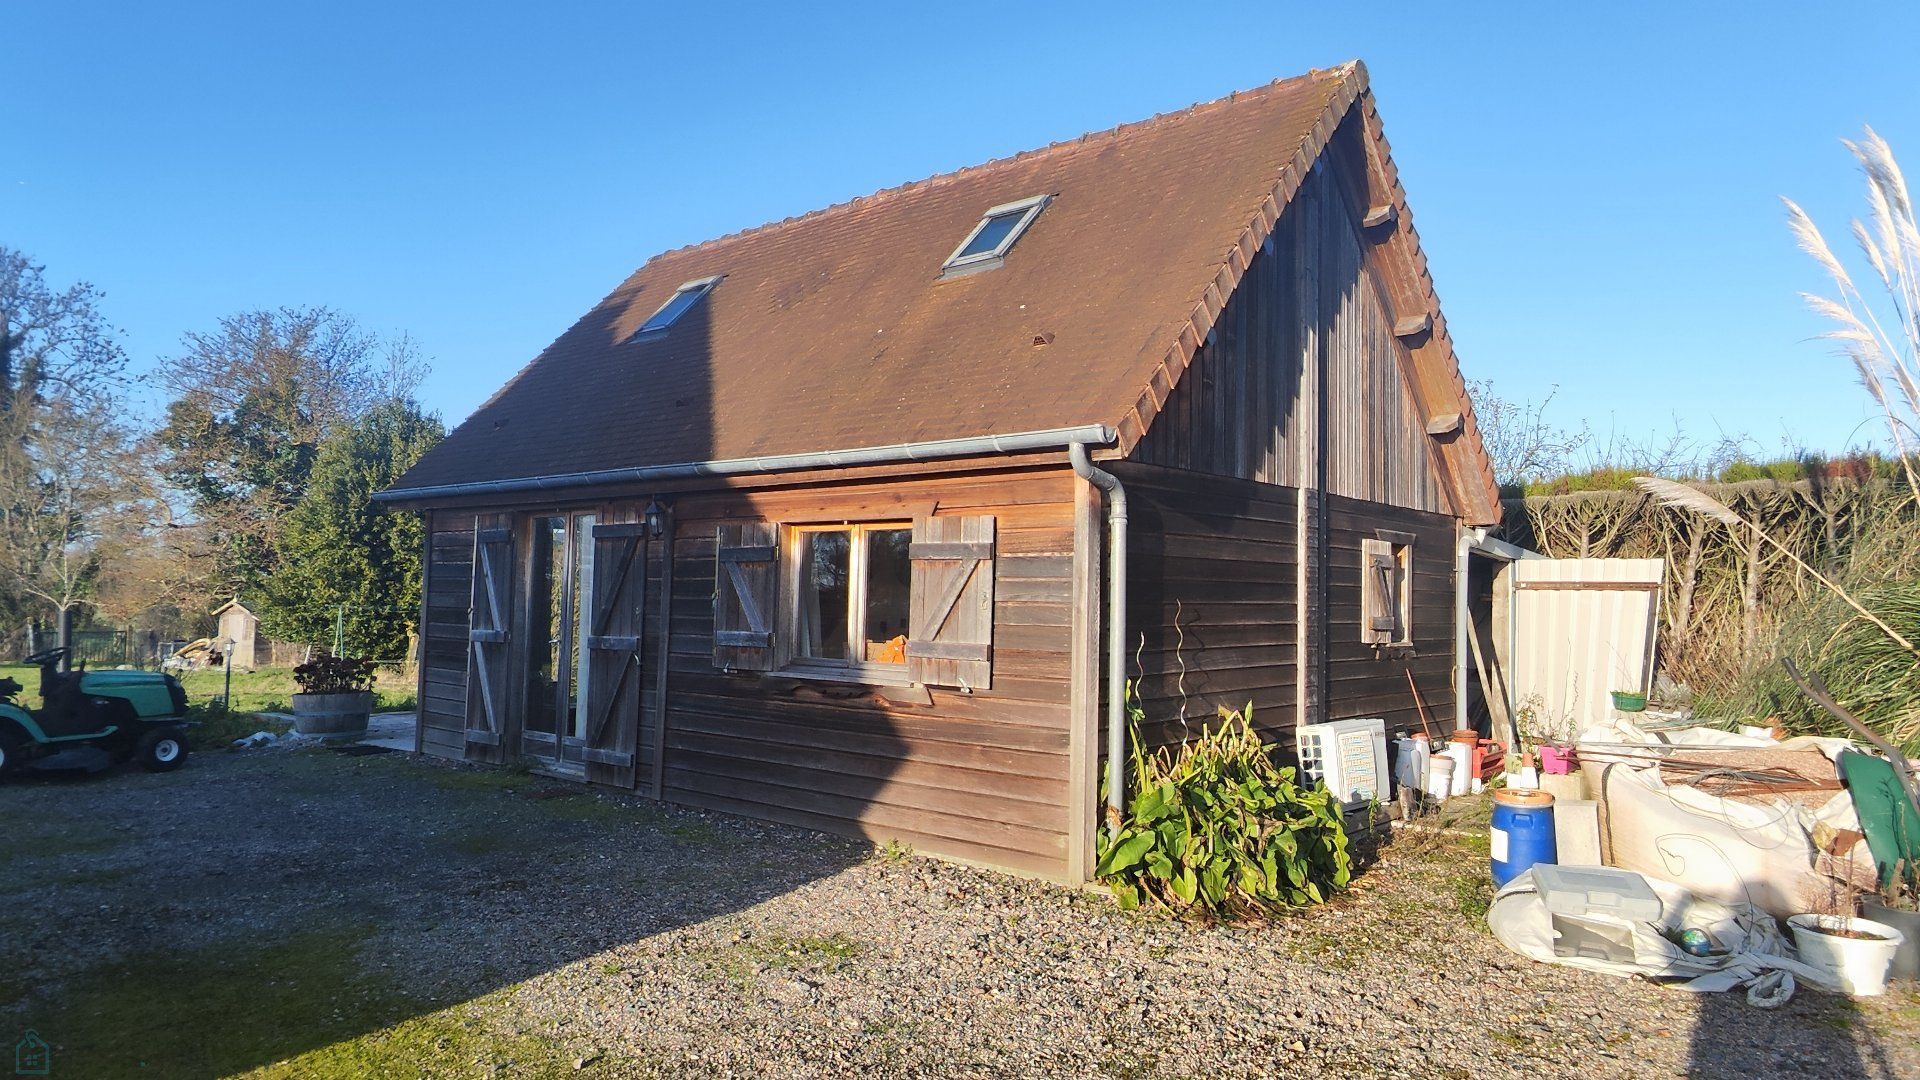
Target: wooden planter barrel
(332, 714)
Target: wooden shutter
(1379, 593)
(950, 627)
(745, 592)
(489, 615)
(618, 599)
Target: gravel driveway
(317, 914)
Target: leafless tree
(61, 368)
(1523, 444)
(52, 343)
(72, 496)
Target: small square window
(677, 305)
(987, 245)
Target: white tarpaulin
(1751, 850)
(1748, 944)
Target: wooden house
(813, 522)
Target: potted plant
(1629, 701)
(336, 695)
(1898, 905)
(1856, 952)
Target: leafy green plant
(1215, 829)
(325, 674)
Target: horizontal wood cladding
(1210, 599)
(1364, 681)
(1307, 305)
(443, 659)
(978, 776)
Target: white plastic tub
(1859, 964)
(1439, 777)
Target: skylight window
(678, 304)
(987, 245)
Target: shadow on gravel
(1813, 1035)
(313, 914)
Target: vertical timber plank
(420, 634)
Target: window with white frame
(848, 597)
(1386, 588)
(999, 229)
(681, 302)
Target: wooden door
(488, 637)
(613, 647)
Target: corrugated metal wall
(1581, 629)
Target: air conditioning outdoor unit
(1350, 755)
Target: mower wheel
(10, 752)
(162, 751)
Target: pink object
(1556, 760)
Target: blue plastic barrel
(1522, 833)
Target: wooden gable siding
(1210, 600)
(1238, 410)
(982, 776)
(443, 654)
(1212, 618)
(1363, 681)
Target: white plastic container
(1440, 778)
(1859, 964)
(1411, 756)
(1462, 755)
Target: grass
(297, 1007)
(744, 960)
(28, 838)
(266, 690)
(1473, 894)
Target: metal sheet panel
(1581, 629)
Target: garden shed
(856, 520)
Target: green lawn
(266, 690)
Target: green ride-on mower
(93, 719)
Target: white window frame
(651, 328)
(856, 667)
(1028, 209)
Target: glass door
(561, 583)
(572, 703)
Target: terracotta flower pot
(332, 714)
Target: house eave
(899, 453)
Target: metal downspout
(1462, 626)
(1116, 627)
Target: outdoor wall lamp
(656, 516)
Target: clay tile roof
(834, 330)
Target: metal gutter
(977, 445)
(1116, 628)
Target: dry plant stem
(1838, 591)
(1680, 495)
(1816, 688)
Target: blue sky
(1596, 186)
